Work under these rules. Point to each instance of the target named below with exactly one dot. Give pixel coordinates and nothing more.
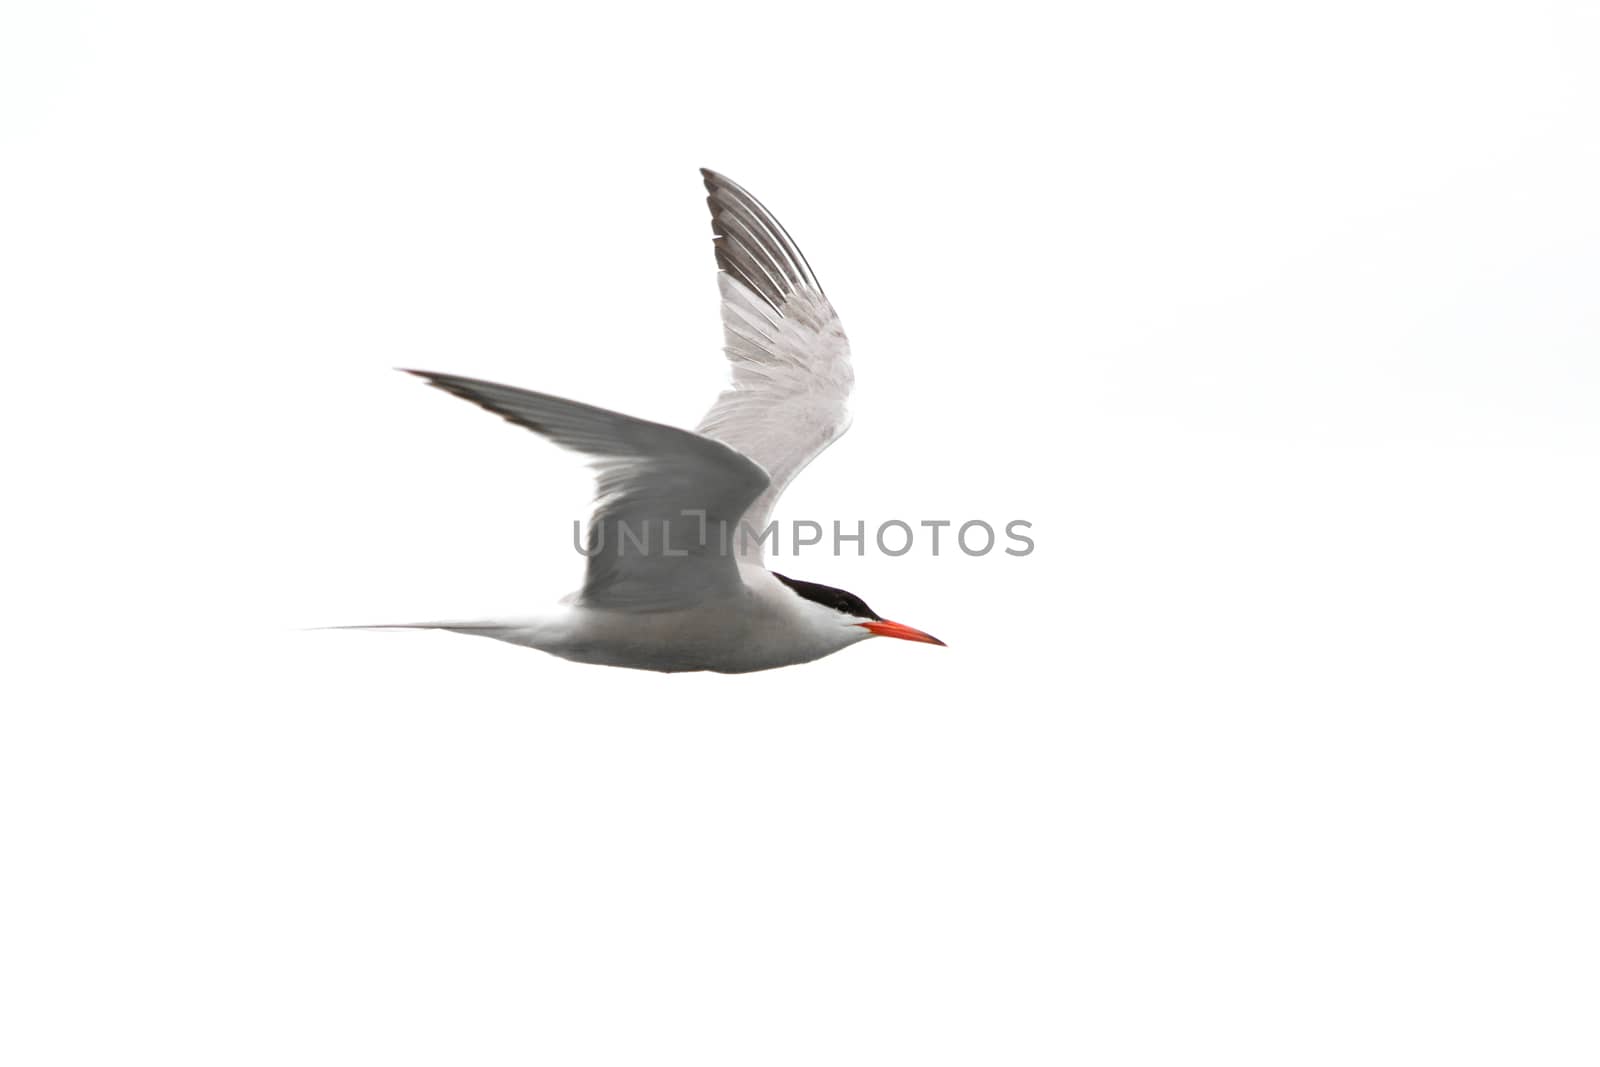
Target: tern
(676, 578)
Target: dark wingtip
(752, 244)
(437, 379)
(453, 384)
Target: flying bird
(676, 578)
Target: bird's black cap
(828, 596)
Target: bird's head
(829, 607)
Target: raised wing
(650, 548)
(791, 362)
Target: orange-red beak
(885, 628)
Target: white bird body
(672, 582)
(759, 627)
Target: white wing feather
(791, 361)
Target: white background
(1278, 322)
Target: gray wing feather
(651, 479)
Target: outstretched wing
(663, 496)
(791, 362)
